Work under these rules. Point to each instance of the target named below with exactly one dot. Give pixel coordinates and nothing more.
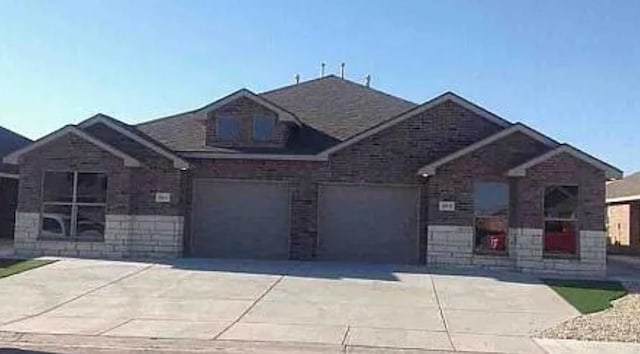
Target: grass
(14, 266)
(588, 296)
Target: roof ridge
(345, 80)
(298, 84)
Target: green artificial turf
(14, 266)
(588, 296)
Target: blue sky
(568, 68)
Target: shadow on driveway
(625, 268)
(342, 270)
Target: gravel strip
(621, 323)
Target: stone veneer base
(453, 245)
(126, 236)
(156, 236)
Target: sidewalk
(77, 344)
(565, 346)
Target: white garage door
(368, 223)
(240, 219)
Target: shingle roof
(331, 110)
(135, 134)
(179, 132)
(9, 142)
(626, 187)
(340, 108)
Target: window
(228, 127)
(560, 219)
(491, 205)
(74, 205)
(263, 127)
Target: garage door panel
(368, 223)
(241, 219)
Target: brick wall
(590, 260)
(244, 109)
(72, 153)
(450, 237)
(156, 175)
(395, 154)
(561, 169)
(135, 225)
(618, 224)
(454, 181)
(624, 224)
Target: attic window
(264, 127)
(227, 127)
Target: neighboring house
(9, 142)
(623, 211)
(326, 169)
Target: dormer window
(264, 126)
(228, 127)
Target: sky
(570, 68)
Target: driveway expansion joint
(128, 275)
(246, 311)
(343, 342)
(444, 320)
(114, 327)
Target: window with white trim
(227, 127)
(491, 208)
(73, 205)
(561, 219)
(264, 126)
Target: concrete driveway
(625, 268)
(345, 305)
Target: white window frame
(74, 204)
(273, 120)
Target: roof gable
(14, 157)
(283, 114)
(431, 168)
(136, 135)
(448, 96)
(610, 171)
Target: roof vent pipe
(297, 78)
(322, 66)
(367, 81)
(342, 70)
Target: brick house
(9, 142)
(623, 212)
(322, 170)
